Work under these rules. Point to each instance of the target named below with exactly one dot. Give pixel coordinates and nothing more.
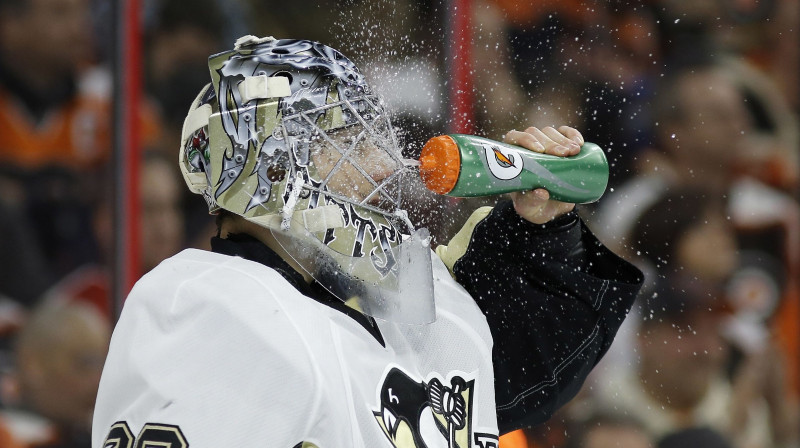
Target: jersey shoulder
(195, 278)
(206, 338)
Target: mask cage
(347, 127)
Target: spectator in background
(50, 125)
(742, 36)
(704, 131)
(54, 128)
(686, 232)
(698, 108)
(759, 32)
(686, 374)
(747, 39)
(59, 358)
(47, 118)
(679, 380)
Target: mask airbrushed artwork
(289, 135)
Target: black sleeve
(554, 298)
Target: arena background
(93, 94)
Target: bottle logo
(504, 163)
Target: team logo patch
(419, 414)
(503, 163)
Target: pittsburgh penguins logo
(416, 414)
(503, 163)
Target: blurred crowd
(695, 102)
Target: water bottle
(466, 165)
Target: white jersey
(219, 351)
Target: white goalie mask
(290, 136)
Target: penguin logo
(504, 163)
(415, 414)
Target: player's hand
(535, 206)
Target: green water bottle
(466, 165)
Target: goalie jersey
(232, 348)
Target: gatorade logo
(504, 164)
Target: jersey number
(151, 435)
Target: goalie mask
(290, 136)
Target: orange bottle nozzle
(440, 164)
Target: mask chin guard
(397, 287)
